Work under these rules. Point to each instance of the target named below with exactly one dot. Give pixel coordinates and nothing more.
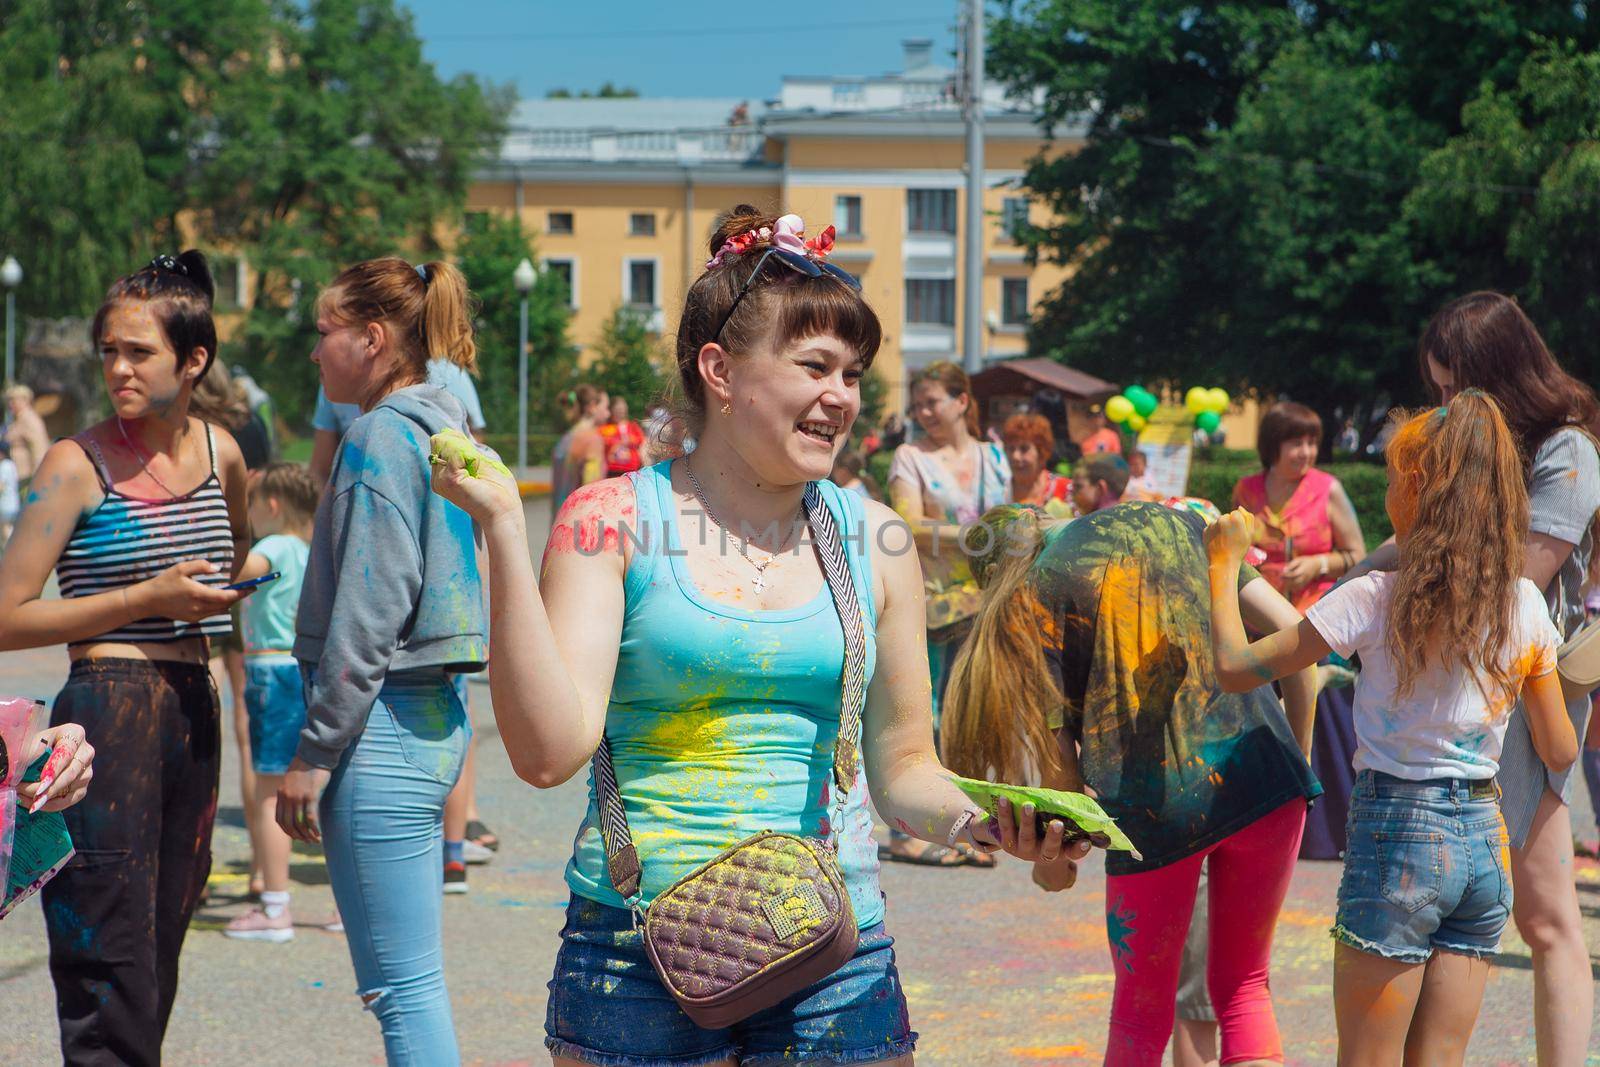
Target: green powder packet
(454, 446)
(1084, 817)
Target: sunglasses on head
(794, 261)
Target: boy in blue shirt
(283, 502)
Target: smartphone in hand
(239, 587)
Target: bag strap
(622, 858)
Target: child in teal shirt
(283, 502)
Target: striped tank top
(126, 540)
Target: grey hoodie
(392, 582)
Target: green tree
(1248, 206)
(102, 108)
(1512, 197)
(607, 91)
(338, 143)
(628, 360)
(874, 394)
(487, 255)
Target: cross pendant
(761, 581)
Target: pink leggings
(1147, 920)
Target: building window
(559, 222)
(931, 301)
(642, 224)
(567, 271)
(641, 283)
(1014, 218)
(1014, 301)
(847, 215)
(849, 94)
(931, 210)
(225, 274)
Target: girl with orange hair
(1447, 642)
(1089, 665)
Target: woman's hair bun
(198, 271)
(741, 219)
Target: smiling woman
(143, 518)
(710, 666)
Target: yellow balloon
(1219, 400)
(1118, 408)
(1196, 400)
(1136, 422)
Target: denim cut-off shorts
(274, 698)
(1426, 868)
(608, 1008)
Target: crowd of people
(720, 604)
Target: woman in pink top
(1306, 524)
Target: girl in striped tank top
(143, 518)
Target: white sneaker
(256, 925)
(475, 853)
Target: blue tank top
(722, 720)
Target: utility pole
(972, 106)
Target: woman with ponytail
(143, 517)
(1448, 642)
(683, 618)
(1090, 664)
(579, 456)
(392, 606)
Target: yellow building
(622, 196)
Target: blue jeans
(608, 1007)
(1426, 868)
(381, 831)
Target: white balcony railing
(734, 145)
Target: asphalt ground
(996, 971)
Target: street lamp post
(523, 278)
(11, 277)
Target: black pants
(118, 912)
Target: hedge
(1214, 471)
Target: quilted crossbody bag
(770, 915)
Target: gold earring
(727, 409)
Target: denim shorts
(1426, 868)
(608, 1008)
(275, 700)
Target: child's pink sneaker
(255, 925)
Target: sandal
(482, 835)
(977, 857)
(928, 855)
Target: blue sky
(687, 48)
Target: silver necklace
(742, 544)
(144, 462)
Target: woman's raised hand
(1230, 537)
(488, 494)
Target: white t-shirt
(1446, 728)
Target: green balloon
(1208, 421)
(1145, 403)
